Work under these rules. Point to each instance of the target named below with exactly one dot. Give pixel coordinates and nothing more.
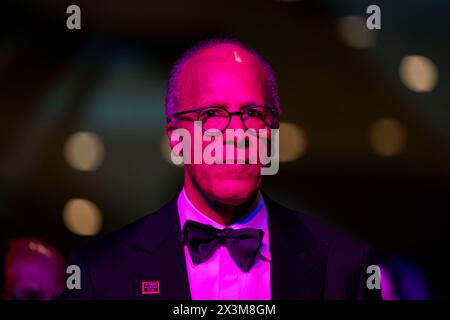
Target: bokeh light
(353, 32)
(82, 217)
(418, 73)
(387, 137)
(84, 151)
(293, 141)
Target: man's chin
(233, 192)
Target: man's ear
(169, 130)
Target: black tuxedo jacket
(309, 260)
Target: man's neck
(225, 214)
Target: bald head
(228, 76)
(219, 65)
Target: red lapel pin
(150, 287)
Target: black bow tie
(203, 240)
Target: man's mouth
(237, 161)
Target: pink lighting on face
(217, 76)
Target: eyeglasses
(219, 118)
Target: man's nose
(236, 122)
(237, 137)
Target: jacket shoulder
(327, 234)
(347, 258)
(322, 232)
(106, 249)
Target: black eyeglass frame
(274, 111)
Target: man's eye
(213, 113)
(254, 113)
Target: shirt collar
(258, 219)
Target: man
(31, 270)
(220, 237)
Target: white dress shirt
(219, 278)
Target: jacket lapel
(298, 260)
(160, 240)
(298, 264)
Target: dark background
(109, 78)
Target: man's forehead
(223, 56)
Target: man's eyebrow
(211, 104)
(248, 105)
